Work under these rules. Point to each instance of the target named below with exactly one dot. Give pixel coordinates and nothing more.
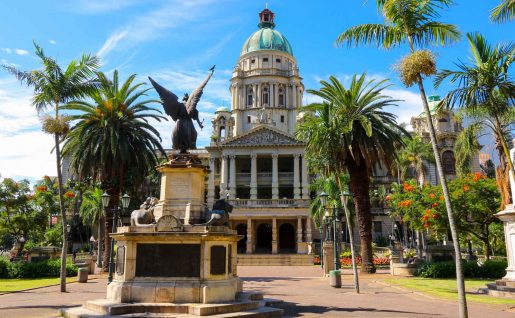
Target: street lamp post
(344, 197)
(336, 279)
(126, 199)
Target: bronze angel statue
(184, 136)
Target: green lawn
(16, 284)
(446, 288)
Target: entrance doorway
(241, 229)
(264, 238)
(286, 238)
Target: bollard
(336, 279)
(82, 275)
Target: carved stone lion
(219, 214)
(145, 215)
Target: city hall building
(254, 157)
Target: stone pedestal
(192, 264)
(508, 218)
(328, 254)
(182, 189)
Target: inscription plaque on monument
(120, 260)
(168, 260)
(218, 260)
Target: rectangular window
(248, 119)
(378, 227)
(249, 100)
(281, 100)
(252, 61)
(282, 118)
(277, 60)
(265, 59)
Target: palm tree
(111, 135)
(466, 147)
(55, 86)
(415, 154)
(91, 213)
(351, 133)
(413, 22)
(504, 12)
(485, 90)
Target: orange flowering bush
(69, 195)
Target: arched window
(448, 162)
(266, 95)
(281, 97)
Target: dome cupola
(266, 38)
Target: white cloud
(6, 50)
(25, 149)
(21, 52)
(172, 14)
(52, 42)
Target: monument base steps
(249, 304)
(501, 288)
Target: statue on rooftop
(184, 136)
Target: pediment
(262, 136)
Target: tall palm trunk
(360, 187)
(462, 301)
(64, 223)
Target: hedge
(471, 269)
(47, 268)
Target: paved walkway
(304, 292)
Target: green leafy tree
(18, 216)
(54, 86)
(415, 154)
(47, 197)
(413, 22)
(92, 214)
(348, 132)
(504, 12)
(484, 90)
(111, 135)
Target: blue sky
(176, 41)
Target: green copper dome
(266, 39)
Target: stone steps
(275, 260)
(249, 304)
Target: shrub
(471, 269)
(48, 268)
(4, 267)
(381, 241)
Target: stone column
(211, 183)
(259, 101)
(296, 179)
(274, 236)
(275, 177)
(286, 98)
(272, 89)
(309, 238)
(305, 181)
(232, 177)
(253, 176)
(254, 95)
(249, 236)
(299, 229)
(223, 177)
(294, 95)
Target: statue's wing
(194, 98)
(170, 101)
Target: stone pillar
(274, 236)
(259, 101)
(296, 175)
(254, 95)
(305, 181)
(508, 218)
(253, 176)
(294, 95)
(272, 89)
(232, 177)
(275, 177)
(328, 255)
(211, 183)
(249, 236)
(309, 238)
(223, 177)
(299, 229)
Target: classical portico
(255, 159)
